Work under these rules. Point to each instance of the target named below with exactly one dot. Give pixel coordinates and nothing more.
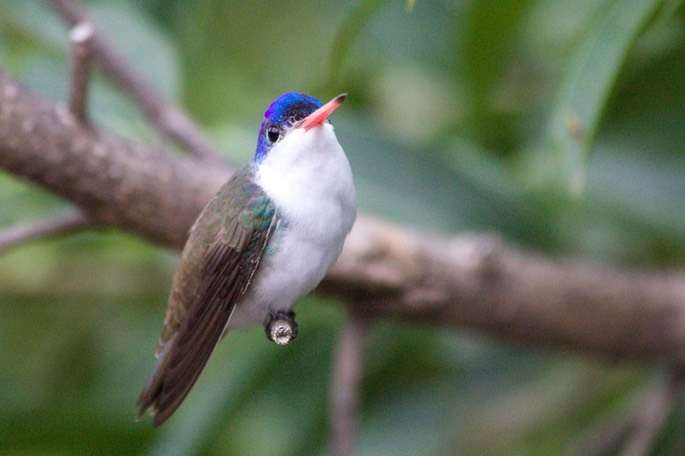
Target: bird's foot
(280, 327)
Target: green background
(559, 125)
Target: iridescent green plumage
(219, 260)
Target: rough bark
(473, 282)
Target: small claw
(280, 327)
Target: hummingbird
(266, 239)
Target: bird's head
(289, 112)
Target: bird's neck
(306, 171)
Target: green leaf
(585, 90)
(490, 28)
(348, 32)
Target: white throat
(309, 179)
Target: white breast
(309, 179)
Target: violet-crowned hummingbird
(266, 239)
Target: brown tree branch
(346, 377)
(116, 182)
(69, 222)
(168, 118)
(477, 282)
(385, 270)
(654, 409)
(80, 38)
(633, 431)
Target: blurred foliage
(560, 125)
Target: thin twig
(170, 120)
(653, 412)
(633, 431)
(604, 438)
(346, 378)
(68, 222)
(80, 38)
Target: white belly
(308, 178)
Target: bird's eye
(273, 133)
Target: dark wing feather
(225, 278)
(228, 264)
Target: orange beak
(319, 116)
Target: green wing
(217, 264)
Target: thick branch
(385, 270)
(477, 282)
(116, 182)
